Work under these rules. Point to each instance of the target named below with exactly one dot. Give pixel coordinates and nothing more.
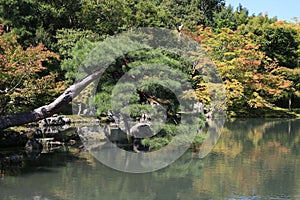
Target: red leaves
(256, 63)
(248, 73)
(21, 69)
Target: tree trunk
(50, 109)
(290, 102)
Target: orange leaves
(17, 62)
(247, 72)
(23, 72)
(285, 84)
(199, 38)
(256, 63)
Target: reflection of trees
(249, 159)
(252, 157)
(256, 157)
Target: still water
(253, 159)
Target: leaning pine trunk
(50, 109)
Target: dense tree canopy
(25, 81)
(249, 75)
(44, 42)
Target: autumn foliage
(249, 75)
(24, 79)
(257, 56)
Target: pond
(253, 159)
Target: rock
(56, 121)
(141, 130)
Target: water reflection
(254, 159)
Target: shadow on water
(253, 159)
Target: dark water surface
(253, 159)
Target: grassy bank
(274, 112)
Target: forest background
(43, 42)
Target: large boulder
(141, 130)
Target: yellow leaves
(225, 69)
(229, 55)
(58, 88)
(202, 93)
(234, 91)
(291, 74)
(257, 101)
(251, 78)
(297, 93)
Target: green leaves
(281, 43)
(67, 39)
(25, 80)
(249, 75)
